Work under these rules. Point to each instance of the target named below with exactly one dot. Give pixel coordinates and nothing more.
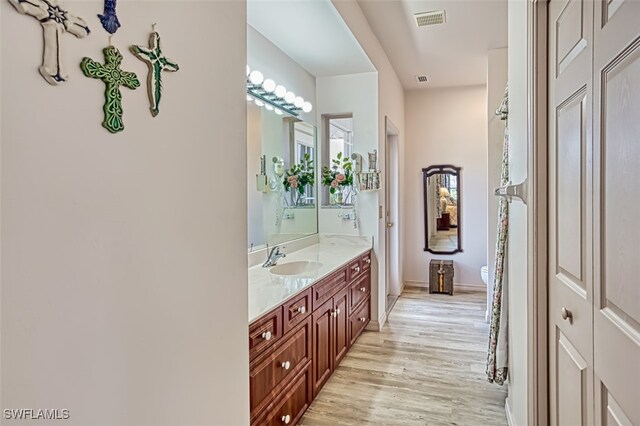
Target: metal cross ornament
(113, 77)
(109, 19)
(54, 21)
(157, 63)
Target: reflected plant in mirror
(298, 182)
(339, 180)
(442, 200)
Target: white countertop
(332, 252)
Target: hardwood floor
(426, 367)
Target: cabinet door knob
(362, 319)
(567, 315)
(337, 311)
(286, 419)
(286, 365)
(363, 289)
(302, 309)
(357, 269)
(367, 261)
(266, 335)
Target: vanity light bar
(267, 93)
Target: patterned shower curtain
(497, 357)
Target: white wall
(391, 105)
(123, 263)
(517, 262)
(266, 57)
(496, 83)
(447, 126)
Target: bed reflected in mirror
(442, 200)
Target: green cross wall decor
(157, 63)
(113, 77)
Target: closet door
(570, 218)
(617, 212)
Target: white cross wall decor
(55, 21)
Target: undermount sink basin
(304, 268)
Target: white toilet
(484, 272)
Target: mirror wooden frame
(426, 173)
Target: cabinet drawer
(273, 371)
(326, 288)
(296, 310)
(359, 291)
(355, 270)
(265, 332)
(359, 320)
(294, 402)
(366, 262)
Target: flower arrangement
(339, 176)
(298, 177)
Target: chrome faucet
(274, 255)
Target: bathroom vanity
(302, 327)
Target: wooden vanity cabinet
(308, 336)
(330, 338)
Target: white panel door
(617, 211)
(570, 218)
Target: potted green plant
(339, 178)
(298, 178)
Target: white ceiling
(450, 54)
(312, 33)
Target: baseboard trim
(424, 284)
(507, 412)
(373, 326)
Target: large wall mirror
(282, 199)
(442, 201)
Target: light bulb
(307, 107)
(268, 107)
(249, 98)
(259, 102)
(279, 112)
(256, 77)
(290, 97)
(269, 85)
(248, 70)
(298, 102)
(281, 91)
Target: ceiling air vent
(421, 78)
(434, 17)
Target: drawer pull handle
(286, 365)
(267, 335)
(302, 309)
(362, 319)
(363, 289)
(286, 419)
(367, 261)
(357, 269)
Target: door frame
(391, 131)
(537, 269)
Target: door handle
(509, 191)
